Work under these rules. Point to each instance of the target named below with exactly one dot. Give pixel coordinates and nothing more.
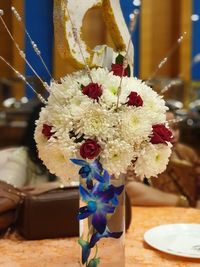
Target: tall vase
(107, 248)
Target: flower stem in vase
(101, 215)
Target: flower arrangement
(96, 123)
(81, 121)
(87, 124)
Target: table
(139, 254)
(64, 252)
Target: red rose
(118, 69)
(92, 90)
(161, 134)
(135, 100)
(90, 149)
(46, 130)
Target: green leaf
(119, 59)
(82, 242)
(93, 262)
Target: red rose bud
(92, 90)
(90, 149)
(135, 100)
(161, 134)
(46, 130)
(118, 69)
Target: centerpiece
(95, 123)
(88, 129)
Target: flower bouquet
(88, 128)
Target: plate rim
(168, 251)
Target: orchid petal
(99, 222)
(85, 171)
(84, 212)
(92, 206)
(98, 177)
(106, 177)
(79, 162)
(108, 209)
(115, 201)
(115, 234)
(85, 195)
(97, 165)
(107, 195)
(118, 190)
(89, 183)
(96, 237)
(96, 189)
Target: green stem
(96, 251)
(89, 232)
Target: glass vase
(107, 248)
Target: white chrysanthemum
(78, 104)
(97, 123)
(154, 104)
(110, 89)
(116, 156)
(39, 137)
(153, 160)
(135, 127)
(57, 158)
(81, 78)
(110, 84)
(58, 95)
(122, 133)
(60, 121)
(99, 75)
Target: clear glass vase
(105, 249)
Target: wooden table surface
(15, 252)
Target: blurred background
(160, 25)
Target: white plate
(177, 239)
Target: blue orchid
(97, 236)
(90, 171)
(106, 185)
(97, 206)
(85, 249)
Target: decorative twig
(22, 77)
(195, 60)
(169, 54)
(169, 85)
(177, 120)
(133, 20)
(21, 52)
(34, 45)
